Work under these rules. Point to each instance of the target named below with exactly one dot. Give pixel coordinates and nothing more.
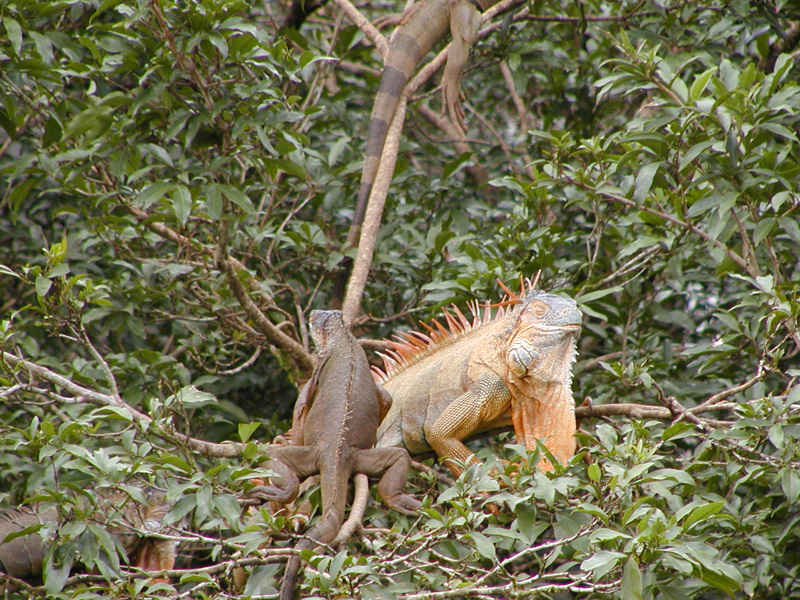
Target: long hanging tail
(422, 29)
(333, 481)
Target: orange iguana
(23, 556)
(424, 26)
(515, 368)
(333, 433)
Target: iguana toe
(403, 503)
(271, 493)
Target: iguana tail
(334, 479)
(421, 30)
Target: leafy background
(163, 162)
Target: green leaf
(596, 295)
(14, 32)
(92, 123)
(213, 202)
(702, 513)
(43, 46)
(4, 270)
(177, 462)
(153, 193)
(644, 181)
(237, 197)
(182, 203)
(58, 564)
(700, 83)
(246, 430)
(336, 563)
(228, 508)
(159, 153)
(288, 166)
(483, 545)
(764, 228)
(12, 535)
(631, 588)
(191, 397)
(454, 166)
(43, 285)
(602, 562)
(693, 153)
(790, 482)
(336, 149)
(776, 435)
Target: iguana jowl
(425, 25)
(482, 375)
(333, 433)
(23, 556)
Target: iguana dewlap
(515, 369)
(334, 433)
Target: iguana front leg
(465, 22)
(487, 399)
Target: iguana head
(539, 360)
(324, 325)
(542, 344)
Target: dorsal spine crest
(409, 347)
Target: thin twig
(367, 28)
(275, 336)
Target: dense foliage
(176, 184)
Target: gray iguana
(23, 556)
(334, 433)
(475, 376)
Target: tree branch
(82, 394)
(383, 178)
(367, 28)
(357, 508)
(374, 214)
(299, 355)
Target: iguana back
(333, 433)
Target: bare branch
(112, 381)
(374, 214)
(249, 362)
(82, 394)
(367, 28)
(725, 394)
(275, 336)
(383, 178)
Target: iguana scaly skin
(23, 556)
(333, 433)
(425, 25)
(482, 375)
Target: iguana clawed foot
(465, 22)
(285, 484)
(393, 465)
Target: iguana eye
(539, 309)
